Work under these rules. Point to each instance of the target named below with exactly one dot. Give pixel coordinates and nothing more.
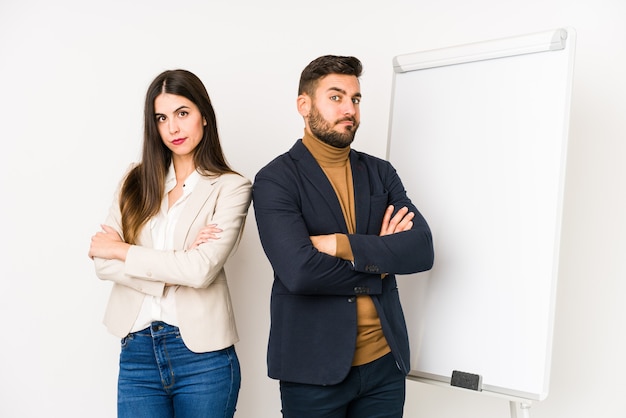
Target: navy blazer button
(371, 269)
(351, 299)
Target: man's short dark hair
(325, 65)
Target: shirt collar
(190, 182)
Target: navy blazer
(313, 310)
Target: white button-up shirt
(162, 226)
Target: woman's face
(179, 122)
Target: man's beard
(323, 131)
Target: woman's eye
(160, 118)
(183, 113)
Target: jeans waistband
(157, 328)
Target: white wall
(73, 76)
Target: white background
(73, 77)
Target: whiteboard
(478, 134)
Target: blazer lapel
(197, 199)
(311, 171)
(360, 180)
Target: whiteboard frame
(554, 40)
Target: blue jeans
(161, 378)
(373, 390)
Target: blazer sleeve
(401, 253)
(113, 270)
(149, 268)
(280, 200)
(198, 267)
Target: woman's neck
(183, 167)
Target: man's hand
(326, 244)
(402, 221)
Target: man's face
(334, 115)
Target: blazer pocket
(378, 205)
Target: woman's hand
(206, 234)
(108, 244)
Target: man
(336, 225)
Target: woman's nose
(173, 126)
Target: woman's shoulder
(228, 180)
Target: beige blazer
(204, 308)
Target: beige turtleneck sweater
(335, 162)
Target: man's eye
(334, 98)
(356, 100)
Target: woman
(177, 216)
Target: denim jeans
(161, 378)
(373, 390)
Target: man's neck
(324, 153)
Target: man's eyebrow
(342, 91)
(337, 89)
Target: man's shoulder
(278, 163)
(369, 159)
(284, 159)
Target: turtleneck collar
(325, 154)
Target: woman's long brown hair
(143, 188)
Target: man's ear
(303, 103)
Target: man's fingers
(406, 223)
(386, 218)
